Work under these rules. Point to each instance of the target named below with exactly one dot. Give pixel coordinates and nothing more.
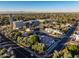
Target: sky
(40, 6)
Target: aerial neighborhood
(39, 37)
(39, 29)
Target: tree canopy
(33, 39)
(39, 47)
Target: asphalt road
(24, 53)
(60, 44)
(18, 51)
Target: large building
(18, 24)
(47, 40)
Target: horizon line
(2, 11)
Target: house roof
(19, 23)
(47, 40)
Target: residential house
(52, 31)
(75, 37)
(48, 30)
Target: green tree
(55, 54)
(33, 39)
(19, 39)
(45, 22)
(39, 47)
(15, 34)
(67, 55)
(6, 53)
(63, 53)
(23, 41)
(2, 51)
(73, 48)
